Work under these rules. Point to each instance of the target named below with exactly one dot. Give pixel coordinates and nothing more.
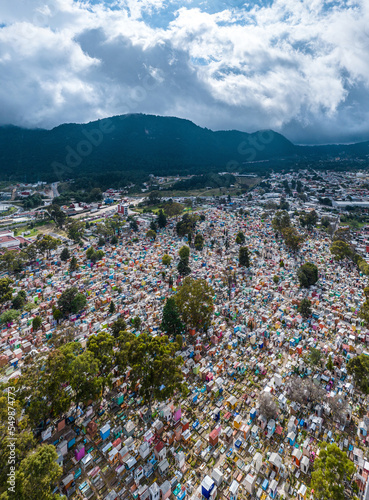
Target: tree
(73, 265)
(12, 261)
(84, 378)
(136, 322)
(76, 230)
(309, 219)
(199, 242)
(281, 220)
(267, 406)
(186, 225)
(314, 357)
(9, 316)
(22, 439)
(173, 208)
(162, 220)
(151, 234)
(166, 260)
(304, 308)
(307, 274)
(332, 468)
(89, 252)
(133, 225)
(154, 197)
(341, 250)
(36, 323)
(47, 243)
(101, 345)
(38, 474)
(111, 308)
(183, 268)
(57, 315)
(105, 230)
(5, 290)
(240, 238)
(171, 322)
(358, 367)
(101, 241)
(330, 365)
(153, 226)
(118, 326)
(195, 303)
(244, 257)
(19, 300)
(342, 234)
(304, 391)
(114, 240)
(291, 238)
(184, 252)
(94, 255)
(43, 383)
(339, 408)
(153, 365)
(71, 301)
(276, 279)
(57, 214)
(64, 255)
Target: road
(54, 187)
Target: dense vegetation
(122, 148)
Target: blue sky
(300, 67)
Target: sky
(299, 67)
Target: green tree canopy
(153, 364)
(199, 242)
(101, 345)
(6, 292)
(309, 219)
(162, 220)
(307, 274)
(194, 300)
(38, 474)
(314, 357)
(244, 257)
(183, 267)
(240, 238)
(304, 308)
(151, 234)
(118, 326)
(73, 265)
(171, 322)
(12, 261)
(57, 214)
(186, 225)
(166, 259)
(281, 220)
(358, 367)
(184, 253)
(71, 301)
(36, 323)
(340, 249)
(47, 243)
(173, 208)
(9, 316)
(64, 255)
(292, 238)
(84, 378)
(331, 468)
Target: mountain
(137, 143)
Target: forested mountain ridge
(137, 143)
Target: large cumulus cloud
(299, 67)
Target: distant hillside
(148, 144)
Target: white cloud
(300, 67)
